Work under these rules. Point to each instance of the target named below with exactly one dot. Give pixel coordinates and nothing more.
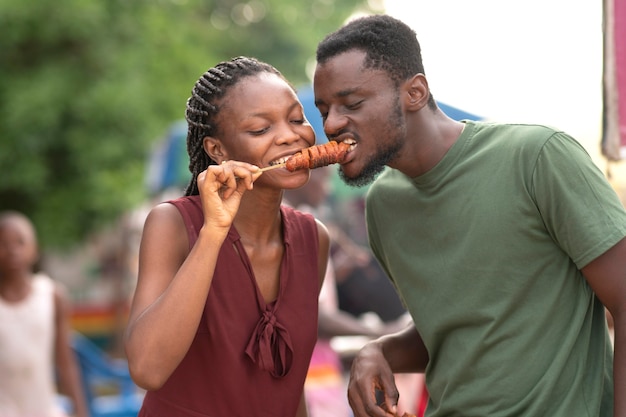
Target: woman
(224, 317)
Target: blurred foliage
(88, 86)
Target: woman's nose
(288, 134)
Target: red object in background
(101, 323)
(422, 401)
(614, 80)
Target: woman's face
(261, 120)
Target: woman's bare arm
(170, 296)
(174, 282)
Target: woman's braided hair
(204, 105)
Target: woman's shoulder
(298, 222)
(293, 215)
(187, 200)
(188, 206)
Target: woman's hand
(221, 188)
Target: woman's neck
(259, 219)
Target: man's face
(362, 104)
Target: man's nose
(334, 123)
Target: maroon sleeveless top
(248, 358)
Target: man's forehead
(338, 80)
(352, 59)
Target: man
(504, 241)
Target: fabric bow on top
(270, 346)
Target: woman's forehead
(260, 94)
(261, 83)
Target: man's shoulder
(523, 129)
(508, 138)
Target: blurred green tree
(87, 87)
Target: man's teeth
(352, 144)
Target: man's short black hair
(389, 44)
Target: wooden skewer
(273, 167)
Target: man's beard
(384, 153)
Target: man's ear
(416, 92)
(213, 147)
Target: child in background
(34, 330)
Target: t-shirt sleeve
(581, 211)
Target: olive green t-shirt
(485, 250)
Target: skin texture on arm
(607, 277)
(173, 282)
(65, 359)
(374, 366)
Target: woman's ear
(416, 92)
(213, 148)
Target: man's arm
(607, 277)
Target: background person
(35, 333)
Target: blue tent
(168, 162)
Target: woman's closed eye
(258, 132)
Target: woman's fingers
(229, 177)
(236, 176)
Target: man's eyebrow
(346, 92)
(339, 94)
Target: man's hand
(372, 390)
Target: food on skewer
(315, 156)
(318, 156)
